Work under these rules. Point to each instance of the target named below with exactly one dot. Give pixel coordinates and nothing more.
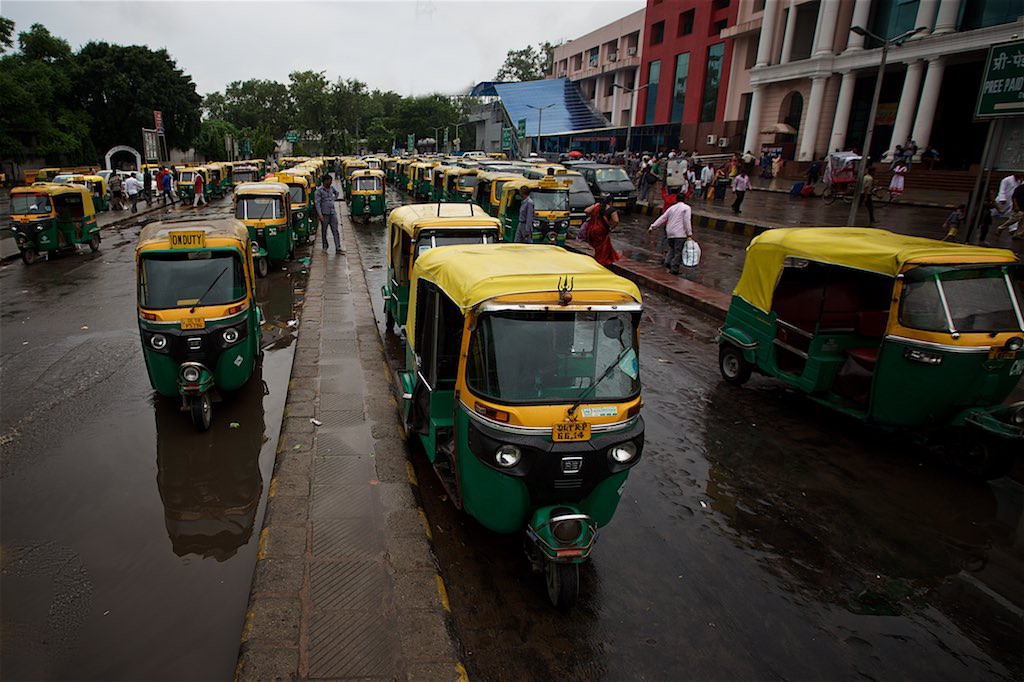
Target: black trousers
(739, 201)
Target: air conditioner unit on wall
(712, 139)
(723, 141)
(630, 51)
(613, 56)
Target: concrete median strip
(346, 584)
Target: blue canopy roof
(569, 110)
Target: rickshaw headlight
(190, 374)
(552, 237)
(507, 456)
(623, 452)
(158, 341)
(536, 223)
(255, 249)
(1014, 343)
(230, 335)
(1017, 418)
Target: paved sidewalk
(346, 585)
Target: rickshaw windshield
(550, 201)
(186, 176)
(544, 357)
(298, 199)
(367, 184)
(970, 299)
(259, 208)
(611, 175)
(177, 280)
(244, 175)
(429, 241)
(28, 204)
(467, 181)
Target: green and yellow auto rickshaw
(244, 171)
(374, 162)
(551, 209)
(96, 185)
(265, 208)
(522, 383)
(390, 166)
(416, 228)
(487, 192)
(893, 330)
(301, 200)
(186, 184)
(48, 217)
(459, 184)
(348, 167)
(366, 197)
(220, 178)
(437, 192)
(198, 317)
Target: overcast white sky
(413, 47)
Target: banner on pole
(158, 120)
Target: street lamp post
(540, 117)
(437, 137)
(457, 126)
(897, 41)
(632, 110)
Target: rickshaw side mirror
(612, 328)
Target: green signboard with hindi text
(1002, 86)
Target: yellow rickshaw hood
(861, 248)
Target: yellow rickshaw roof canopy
(225, 228)
(861, 248)
(368, 173)
(265, 188)
(473, 273)
(51, 188)
(413, 217)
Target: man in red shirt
(199, 191)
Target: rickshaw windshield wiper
(209, 288)
(604, 375)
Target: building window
(712, 79)
(609, 88)
(719, 4)
(686, 23)
(758, 5)
(679, 91)
(577, 61)
(657, 33)
(746, 100)
(982, 13)
(718, 26)
(893, 18)
(653, 76)
(592, 56)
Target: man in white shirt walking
(132, 186)
(739, 187)
(678, 228)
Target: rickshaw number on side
(567, 431)
(193, 323)
(187, 240)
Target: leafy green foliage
(528, 64)
(213, 137)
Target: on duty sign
(1002, 87)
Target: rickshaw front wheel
(94, 243)
(981, 458)
(262, 267)
(734, 367)
(29, 257)
(201, 410)
(563, 582)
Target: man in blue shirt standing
(524, 233)
(325, 198)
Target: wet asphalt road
(761, 537)
(129, 539)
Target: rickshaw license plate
(193, 323)
(569, 431)
(187, 240)
(1002, 354)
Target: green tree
(263, 142)
(379, 137)
(120, 87)
(253, 103)
(212, 139)
(528, 64)
(39, 113)
(6, 34)
(311, 113)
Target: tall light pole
(437, 138)
(866, 151)
(457, 126)
(632, 110)
(540, 117)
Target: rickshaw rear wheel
(94, 243)
(829, 194)
(563, 583)
(28, 257)
(201, 410)
(734, 367)
(980, 458)
(262, 267)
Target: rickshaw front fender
(200, 387)
(541, 531)
(996, 421)
(741, 340)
